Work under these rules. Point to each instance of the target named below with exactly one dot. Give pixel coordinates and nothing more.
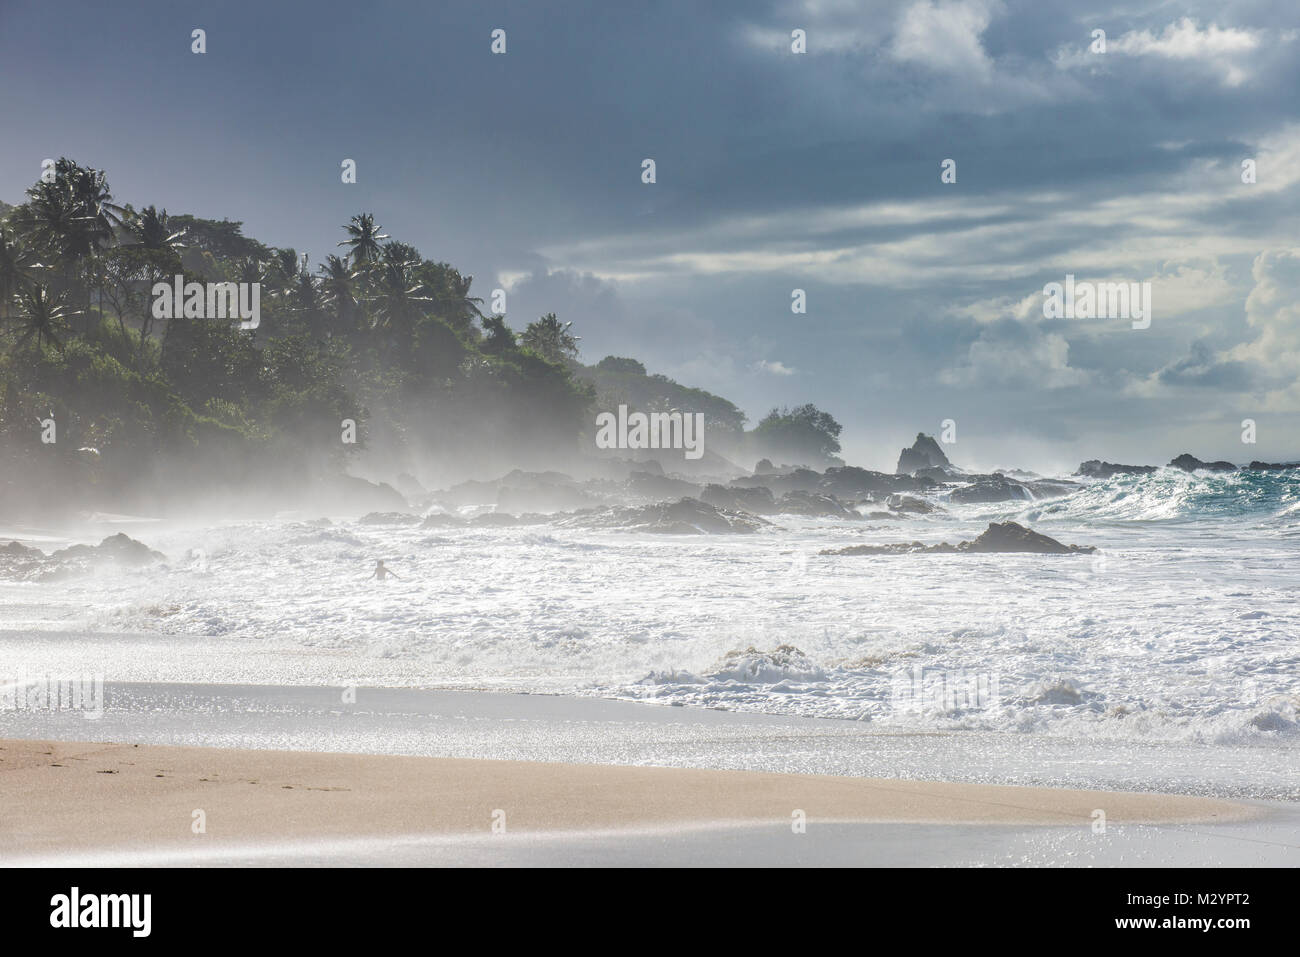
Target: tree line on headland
(101, 402)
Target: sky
(774, 171)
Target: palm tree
(15, 261)
(306, 298)
(94, 201)
(44, 313)
(71, 217)
(364, 246)
(251, 270)
(451, 290)
(336, 285)
(152, 230)
(551, 339)
(395, 290)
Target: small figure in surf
(381, 572)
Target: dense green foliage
(377, 334)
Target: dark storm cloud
(775, 171)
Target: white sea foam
(1183, 627)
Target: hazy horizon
(774, 171)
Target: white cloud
(945, 36)
(1016, 356)
(1226, 52)
(774, 367)
(1273, 309)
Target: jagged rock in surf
(924, 453)
(1190, 463)
(1095, 468)
(915, 506)
(119, 549)
(689, 516)
(813, 504)
(756, 501)
(991, 489)
(998, 537)
(661, 487)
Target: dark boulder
(906, 503)
(660, 487)
(757, 501)
(119, 549)
(687, 517)
(1190, 463)
(924, 453)
(1095, 468)
(999, 537)
(813, 504)
(994, 488)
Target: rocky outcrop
(1051, 488)
(814, 504)
(756, 501)
(1272, 466)
(544, 496)
(1095, 468)
(119, 549)
(997, 538)
(914, 506)
(1190, 463)
(991, 488)
(661, 487)
(796, 480)
(849, 482)
(349, 495)
(924, 453)
(687, 517)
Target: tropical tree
(364, 242)
(397, 296)
(337, 282)
(44, 315)
(550, 339)
(16, 263)
(152, 230)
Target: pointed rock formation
(924, 453)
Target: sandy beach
(145, 797)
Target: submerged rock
(906, 503)
(998, 537)
(991, 489)
(689, 516)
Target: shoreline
(147, 798)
